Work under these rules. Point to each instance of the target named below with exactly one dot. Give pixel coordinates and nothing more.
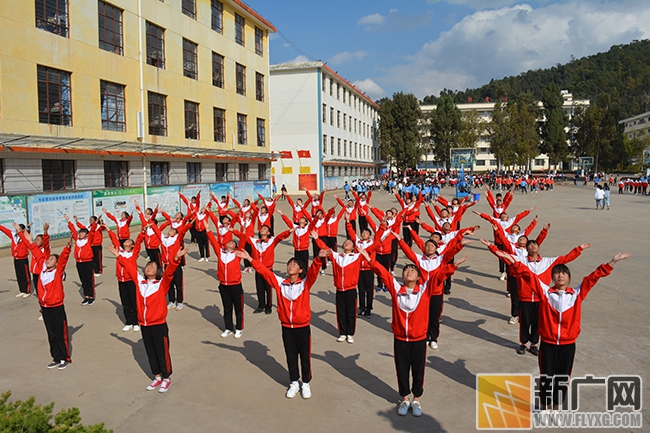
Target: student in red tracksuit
(201, 225)
(95, 242)
(246, 220)
(83, 254)
(316, 201)
(151, 290)
(498, 204)
(222, 205)
(193, 205)
(300, 235)
(385, 252)
(410, 305)
(270, 205)
(42, 242)
(366, 276)
(560, 313)
(411, 214)
(230, 287)
(151, 240)
(362, 202)
(332, 230)
(350, 212)
(123, 224)
(169, 247)
(264, 251)
(50, 297)
(299, 209)
(320, 223)
(125, 284)
(294, 312)
(20, 253)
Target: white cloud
(299, 59)
(511, 40)
(346, 56)
(477, 4)
(370, 88)
(372, 19)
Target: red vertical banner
(307, 181)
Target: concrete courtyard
(228, 385)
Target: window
(189, 8)
(2, 176)
(259, 41)
(332, 116)
(240, 76)
(221, 170)
(338, 150)
(116, 174)
(345, 92)
(241, 129)
(261, 133)
(219, 117)
(190, 69)
(217, 15)
(159, 173)
(58, 174)
(217, 70)
(193, 172)
(338, 91)
(324, 82)
(261, 171)
(493, 162)
(243, 171)
(239, 29)
(324, 113)
(338, 118)
(112, 100)
(54, 99)
(191, 120)
(110, 28)
(52, 16)
(345, 147)
(259, 86)
(155, 46)
(324, 144)
(480, 163)
(332, 146)
(344, 119)
(157, 114)
(539, 161)
(331, 87)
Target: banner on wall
(223, 188)
(262, 187)
(190, 191)
(50, 208)
(166, 197)
(244, 190)
(116, 201)
(14, 209)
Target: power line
(296, 47)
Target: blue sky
(423, 46)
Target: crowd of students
(542, 302)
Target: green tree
(634, 148)
(444, 126)
(554, 137)
(399, 130)
(502, 139)
(471, 128)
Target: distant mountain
(623, 72)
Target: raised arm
(113, 237)
(603, 270)
(443, 201)
(213, 241)
(417, 239)
(350, 231)
(137, 245)
(571, 255)
(530, 227)
(542, 234)
(399, 199)
(523, 214)
(110, 215)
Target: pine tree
(444, 126)
(399, 130)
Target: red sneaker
(164, 386)
(155, 384)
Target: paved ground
(238, 385)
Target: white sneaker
(513, 320)
(206, 259)
(350, 339)
(99, 275)
(403, 408)
(171, 305)
(179, 306)
(322, 272)
(433, 345)
(40, 318)
(293, 389)
(341, 338)
(127, 328)
(226, 333)
(136, 328)
(27, 295)
(392, 273)
(306, 390)
(201, 259)
(238, 333)
(502, 277)
(20, 295)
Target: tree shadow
(474, 329)
(469, 270)
(454, 370)
(258, 354)
(211, 313)
(464, 305)
(411, 424)
(211, 272)
(119, 309)
(322, 324)
(139, 353)
(71, 331)
(469, 283)
(349, 368)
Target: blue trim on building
(319, 145)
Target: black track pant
(502, 265)
(447, 287)
(202, 240)
(514, 295)
(233, 298)
(176, 289)
(346, 311)
(98, 259)
(366, 294)
(87, 278)
(303, 256)
(249, 250)
(35, 278)
(316, 249)
(384, 260)
(127, 297)
(297, 343)
(56, 324)
(154, 255)
(363, 223)
(410, 359)
(555, 365)
(156, 344)
(435, 312)
(21, 266)
(353, 224)
(263, 292)
(528, 322)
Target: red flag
(285, 154)
(469, 99)
(487, 99)
(304, 154)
